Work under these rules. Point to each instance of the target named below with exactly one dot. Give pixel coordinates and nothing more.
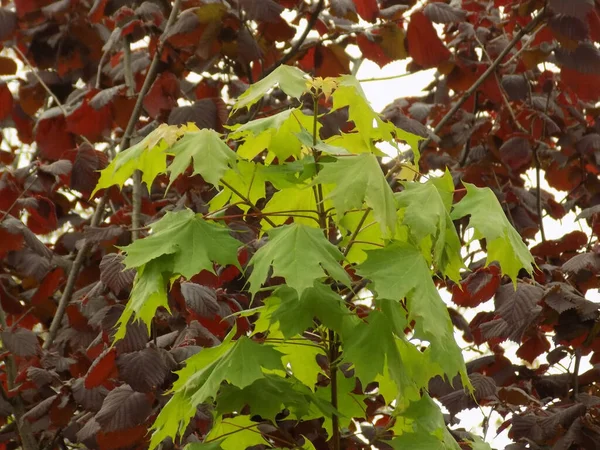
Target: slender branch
(353, 241)
(333, 370)
(98, 214)
(292, 52)
(391, 77)
(516, 39)
(136, 195)
(576, 372)
(248, 202)
(538, 176)
(36, 74)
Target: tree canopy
(209, 238)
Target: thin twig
(292, 52)
(46, 88)
(576, 372)
(391, 77)
(353, 241)
(136, 194)
(248, 202)
(516, 39)
(538, 176)
(98, 214)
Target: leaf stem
(248, 202)
(333, 341)
(136, 194)
(356, 231)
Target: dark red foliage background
(539, 109)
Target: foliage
(285, 291)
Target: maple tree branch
(292, 52)
(353, 240)
(136, 194)
(538, 176)
(248, 202)
(515, 40)
(99, 212)
(46, 88)
(576, 372)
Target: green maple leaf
(290, 80)
(174, 418)
(292, 200)
(299, 254)
(148, 156)
(246, 178)
(302, 359)
(296, 314)
(267, 397)
(239, 363)
(235, 433)
(277, 133)
(370, 125)
(350, 405)
(504, 244)
(369, 235)
(399, 271)
(194, 244)
(433, 221)
(422, 426)
(211, 156)
(358, 179)
(147, 295)
(378, 355)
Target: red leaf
(21, 342)
(89, 122)
(52, 136)
(6, 101)
(477, 288)
(516, 152)
(42, 301)
(123, 408)
(128, 438)
(86, 164)
(424, 45)
(42, 218)
(586, 86)
(97, 11)
(371, 50)
(23, 123)
(570, 242)
(533, 347)
(101, 369)
(9, 242)
(331, 61)
(144, 370)
(367, 9)
(163, 95)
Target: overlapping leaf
(148, 156)
(504, 244)
(299, 254)
(359, 179)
